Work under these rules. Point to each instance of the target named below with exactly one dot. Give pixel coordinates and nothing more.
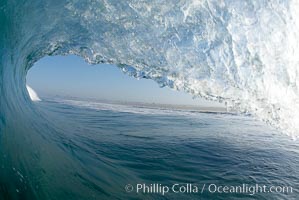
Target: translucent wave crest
(242, 52)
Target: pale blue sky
(71, 76)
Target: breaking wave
(244, 53)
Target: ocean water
(242, 53)
(92, 150)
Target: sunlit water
(100, 148)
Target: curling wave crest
(244, 53)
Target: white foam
(33, 95)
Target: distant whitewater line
(141, 108)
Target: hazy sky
(71, 76)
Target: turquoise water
(92, 150)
